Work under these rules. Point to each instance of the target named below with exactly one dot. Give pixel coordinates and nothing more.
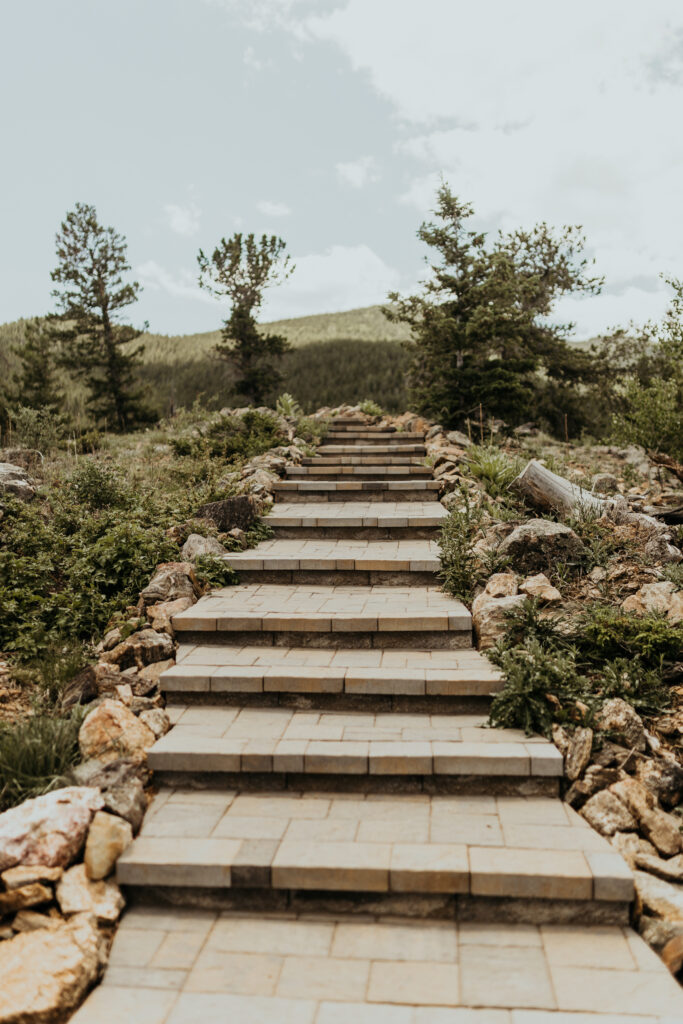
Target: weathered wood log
(550, 492)
(660, 459)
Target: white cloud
(271, 209)
(183, 220)
(183, 284)
(360, 172)
(341, 277)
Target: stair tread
(358, 514)
(418, 484)
(502, 846)
(398, 555)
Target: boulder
(15, 482)
(140, 649)
(28, 874)
(501, 584)
(82, 689)
(660, 828)
(604, 483)
(240, 511)
(31, 920)
(659, 897)
(664, 778)
(457, 437)
(49, 829)
(579, 753)
(111, 731)
(657, 932)
(652, 597)
(489, 616)
(595, 779)
(45, 973)
(157, 720)
(128, 801)
(620, 719)
(76, 894)
(24, 458)
(171, 580)
(260, 481)
(672, 953)
(540, 543)
(630, 845)
(31, 895)
(197, 546)
(675, 612)
(161, 615)
(539, 586)
(607, 814)
(671, 870)
(108, 837)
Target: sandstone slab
(76, 894)
(108, 837)
(49, 829)
(111, 732)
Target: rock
(128, 801)
(28, 874)
(604, 483)
(560, 738)
(24, 458)
(659, 897)
(105, 776)
(240, 511)
(607, 814)
(157, 720)
(652, 597)
(260, 482)
(579, 753)
(140, 649)
(670, 870)
(197, 546)
(171, 580)
(595, 779)
(540, 543)
(539, 586)
(239, 536)
(111, 731)
(82, 689)
(457, 437)
(161, 615)
(672, 954)
(657, 932)
(598, 574)
(630, 845)
(501, 584)
(664, 778)
(44, 974)
(146, 679)
(76, 893)
(31, 920)
(24, 896)
(489, 616)
(620, 719)
(49, 829)
(660, 828)
(108, 837)
(675, 612)
(15, 482)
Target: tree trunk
(550, 492)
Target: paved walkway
(337, 837)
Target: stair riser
(438, 640)
(244, 896)
(373, 451)
(306, 701)
(366, 494)
(355, 532)
(364, 460)
(366, 440)
(339, 577)
(359, 473)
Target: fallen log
(549, 492)
(667, 462)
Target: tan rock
(539, 586)
(675, 612)
(501, 584)
(49, 829)
(45, 973)
(171, 580)
(652, 597)
(489, 616)
(619, 718)
(670, 870)
(607, 814)
(140, 649)
(108, 837)
(25, 896)
(31, 920)
(151, 673)
(579, 753)
(672, 954)
(659, 897)
(112, 731)
(660, 828)
(76, 894)
(631, 846)
(27, 874)
(161, 615)
(157, 720)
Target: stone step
(356, 490)
(279, 746)
(393, 563)
(329, 616)
(325, 471)
(357, 521)
(377, 680)
(369, 437)
(483, 857)
(363, 460)
(395, 450)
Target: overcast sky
(330, 122)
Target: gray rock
(14, 481)
(140, 649)
(157, 720)
(128, 801)
(605, 483)
(661, 898)
(595, 779)
(457, 437)
(657, 932)
(196, 546)
(607, 814)
(540, 544)
(240, 511)
(489, 616)
(25, 458)
(578, 754)
(620, 719)
(171, 580)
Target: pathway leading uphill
(336, 838)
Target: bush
(96, 487)
(459, 566)
(493, 467)
(652, 416)
(212, 571)
(643, 688)
(604, 634)
(229, 437)
(370, 408)
(287, 405)
(35, 755)
(37, 428)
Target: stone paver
(328, 970)
(394, 556)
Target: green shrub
(459, 566)
(493, 467)
(674, 573)
(643, 688)
(370, 408)
(229, 437)
(35, 755)
(652, 416)
(97, 486)
(37, 428)
(287, 405)
(212, 572)
(604, 634)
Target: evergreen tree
(90, 296)
(36, 384)
(240, 269)
(480, 333)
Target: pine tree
(36, 384)
(90, 296)
(240, 269)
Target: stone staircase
(329, 767)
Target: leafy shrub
(542, 687)
(643, 688)
(493, 467)
(652, 416)
(37, 428)
(459, 567)
(529, 622)
(604, 634)
(370, 408)
(212, 571)
(312, 430)
(287, 405)
(35, 755)
(229, 437)
(96, 486)
(674, 573)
